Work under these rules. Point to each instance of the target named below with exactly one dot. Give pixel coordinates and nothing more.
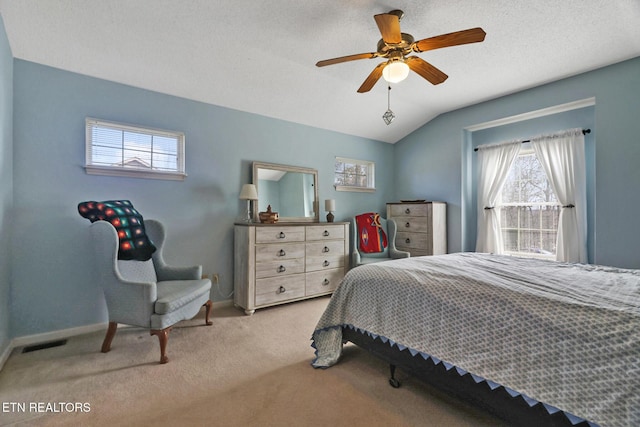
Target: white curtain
(494, 162)
(563, 159)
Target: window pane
(165, 145)
(339, 166)
(509, 217)
(106, 137)
(106, 156)
(530, 222)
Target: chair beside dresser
(280, 263)
(422, 227)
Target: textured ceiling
(260, 56)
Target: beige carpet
(242, 371)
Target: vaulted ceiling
(260, 56)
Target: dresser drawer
(279, 234)
(412, 224)
(316, 263)
(417, 244)
(279, 251)
(283, 267)
(325, 232)
(320, 282)
(277, 289)
(325, 249)
(407, 240)
(418, 209)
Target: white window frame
(370, 168)
(527, 150)
(128, 171)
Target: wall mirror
(291, 191)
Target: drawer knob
(408, 240)
(282, 290)
(326, 233)
(326, 282)
(326, 263)
(281, 235)
(407, 211)
(325, 249)
(407, 225)
(282, 252)
(282, 269)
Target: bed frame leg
(393, 381)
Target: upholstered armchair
(149, 294)
(359, 257)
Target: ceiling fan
(395, 46)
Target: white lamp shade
(395, 71)
(249, 192)
(330, 205)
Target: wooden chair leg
(111, 332)
(163, 337)
(208, 306)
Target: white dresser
(422, 227)
(279, 263)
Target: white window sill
(357, 189)
(134, 173)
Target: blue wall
(53, 284)
(431, 162)
(6, 184)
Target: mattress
(564, 334)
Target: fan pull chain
(388, 116)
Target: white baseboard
(68, 333)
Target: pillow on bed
(134, 243)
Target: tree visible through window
(530, 209)
(354, 175)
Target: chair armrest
(167, 272)
(356, 260)
(394, 252)
(397, 253)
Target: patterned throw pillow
(134, 243)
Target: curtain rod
(584, 132)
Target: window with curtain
(118, 149)
(530, 209)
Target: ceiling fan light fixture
(395, 71)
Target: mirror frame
(287, 168)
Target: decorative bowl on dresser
(285, 262)
(422, 226)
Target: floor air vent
(43, 346)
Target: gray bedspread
(564, 334)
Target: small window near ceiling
(118, 149)
(529, 209)
(354, 175)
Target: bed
(561, 339)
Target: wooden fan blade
(372, 79)
(426, 70)
(346, 58)
(389, 26)
(472, 35)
